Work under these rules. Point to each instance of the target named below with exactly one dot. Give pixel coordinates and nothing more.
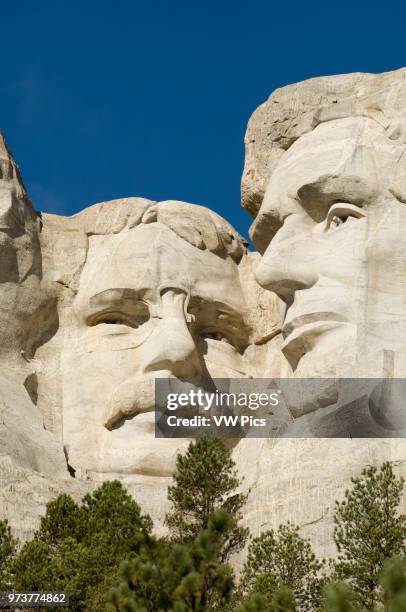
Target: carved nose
(290, 261)
(171, 347)
(284, 275)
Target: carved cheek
(112, 338)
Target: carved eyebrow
(217, 314)
(264, 228)
(108, 296)
(128, 301)
(199, 305)
(318, 195)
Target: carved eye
(214, 335)
(339, 213)
(111, 319)
(115, 318)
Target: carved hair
(292, 111)
(196, 224)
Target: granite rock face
(96, 306)
(155, 291)
(121, 293)
(325, 165)
(31, 459)
(295, 110)
(27, 308)
(325, 177)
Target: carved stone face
(20, 265)
(26, 319)
(149, 305)
(337, 247)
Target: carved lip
(301, 339)
(311, 321)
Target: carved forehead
(295, 110)
(352, 130)
(146, 257)
(195, 224)
(349, 158)
(353, 146)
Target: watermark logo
(271, 408)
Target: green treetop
(369, 530)
(206, 480)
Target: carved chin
(133, 456)
(305, 339)
(332, 341)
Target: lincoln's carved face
(337, 247)
(150, 304)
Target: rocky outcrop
(95, 306)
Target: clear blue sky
(112, 99)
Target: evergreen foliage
(369, 530)
(178, 577)
(393, 582)
(338, 597)
(206, 480)
(282, 558)
(282, 600)
(78, 548)
(8, 547)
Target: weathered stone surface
(95, 306)
(27, 309)
(328, 157)
(324, 177)
(154, 291)
(129, 290)
(298, 480)
(295, 110)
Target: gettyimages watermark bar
(272, 408)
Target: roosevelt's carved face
(337, 247)
(149, 305)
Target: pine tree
(206, 480)
(338, 597)
(62, 519)
(33, 569)
(8, 546)
(177, 577)
(112, 516)
(253, 602)
(78, 547)
(282, 600)
(369, 530)
(393, 582)
(282, 558)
